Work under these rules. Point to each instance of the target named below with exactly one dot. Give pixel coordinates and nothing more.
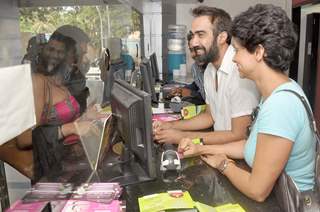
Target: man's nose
(194, 42)
(55, 54)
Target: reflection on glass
(108, 26)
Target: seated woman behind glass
(56, 113)
(281, 138)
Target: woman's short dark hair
(220, 19)
(269, 26)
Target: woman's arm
(24, 140)
(38, 95)
(233, 150)
(76, 128)
(272, 153)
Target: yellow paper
(229, 208)
(163, 201)
(189, 111)
(203, 207)
(192, 110)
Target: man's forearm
(199, 122)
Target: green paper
(163, 201)
(229, 208)
(204, 208)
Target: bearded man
(230, 100)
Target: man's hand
(187, 148)
(161, 125)
(171, 136)
(185, 92)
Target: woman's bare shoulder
(38, 80)
(38, 77)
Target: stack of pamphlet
(66, 197)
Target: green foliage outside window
(89, 18)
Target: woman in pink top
(56, 113)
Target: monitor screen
(132, 111)
(148, 81)
(116, 71)
(154, 66)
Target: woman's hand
(85, 127)
(92, 113)
(187, 148)
(214, 160)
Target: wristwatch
(224, 164)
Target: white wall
(305, 10)
(10, 45)
(232, 7)
(10, 54)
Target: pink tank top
(62, 112)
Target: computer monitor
(132, 110)
(116, 71)
(154, 67)
(148, 82)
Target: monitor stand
(131, 171)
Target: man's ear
(259, 52)
(222, 37)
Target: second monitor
(148, 82)
(132, 110)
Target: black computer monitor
(116, 71)
(132, 110)
(154, 67)
(148, 82)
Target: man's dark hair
(269, 26)
(74, 32)
(58, 37)
(220, 19)
(68, 42)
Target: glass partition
(114, 26)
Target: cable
(119, 162)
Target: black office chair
(4, 195)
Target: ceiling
(44, 3)
(137, 4)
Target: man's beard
(49, 68)
(209, 56)
(53, 69)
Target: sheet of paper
(17, 112)
(93, 141)
(164, 201)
